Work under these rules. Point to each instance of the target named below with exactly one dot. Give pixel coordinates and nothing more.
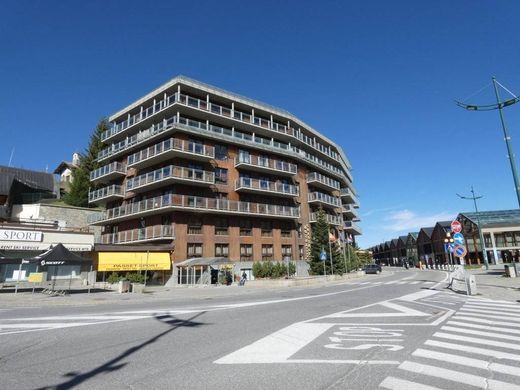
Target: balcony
(169, 149)
(331, 219)
(353, 228)
(106, 194)
(322, 181)
(245, 184)
(108, 172)
(350, 211)
(323, 199)
(348, 194)
(165, 203)
(266, 165)
(170, 173)
(147, 234)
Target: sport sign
(456, 226)
(460, 251)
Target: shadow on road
(115, 363)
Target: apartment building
(209, 173)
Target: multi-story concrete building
(213, 174)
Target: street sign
(323, 255)
(458, 238)
(460, 251)
(456, 226)
(451, 248)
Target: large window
(246, 228)
(221, 176)
(301, 249)
(285, 230)
(221, 152)
(194, 226)
(286, 252)
(267, 252)
(221, 227)
(267, 229)
(246, 252)
(194, 250)
(221, 250)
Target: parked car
(373, 269)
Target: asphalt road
(399, 330)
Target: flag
(349, 238)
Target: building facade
(209, 173)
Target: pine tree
(78, 193)
(319, 242)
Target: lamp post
(447, 241)
(481, 236)
(499, 106)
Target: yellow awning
(133, 261)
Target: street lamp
(447, 242)
(481, 237)
(499, 106)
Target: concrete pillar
(494, 247)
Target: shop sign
(20, 235)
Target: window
(246, 228)
(194, 227)
(285, 231)
(267, 253)
(243, 156)
(221, 152)
(194, 250)
(267, 229)
(286, 252)
(299, 229)
(221, 176)
(302, 252)
(221, 227)
(246, 252)
(221, 250)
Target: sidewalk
(493, 284)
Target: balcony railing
(107, 171)
(245, 183)
(331, 219)
(169, 147)
(322, 181)
(266, 164)
(320, 197)
(193, 203)
(149, 233)
(353, 227)
(349, 195)
(350, 211)
(106, 193)
(230, 134)
(171, 172)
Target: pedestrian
(244, 278)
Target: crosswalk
(478, 347)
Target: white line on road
(475, 340)
(500, 317)
(481, 333)
(457, 376)
(487, 311)
(469, 362)
(484, 321)
(476, 350)
(472, 305)
(393, 383)
(485, 327)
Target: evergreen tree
(78, 193)
(319, 242)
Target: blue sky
(380, 78)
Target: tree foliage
(319, 242)
(80, 185)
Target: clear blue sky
(380, 78)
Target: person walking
(244, 278)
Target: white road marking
(457, 376)
(500, 317)
(469, 362)
(484, 321)
(485, 327)
(418, 295)
(471, 305)
(393, 383)
(278, 346)
(415, 282)
(400, 311)
(498, 312)
(481, 333)
(476, 350)
(475, 340)
(392, 282)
